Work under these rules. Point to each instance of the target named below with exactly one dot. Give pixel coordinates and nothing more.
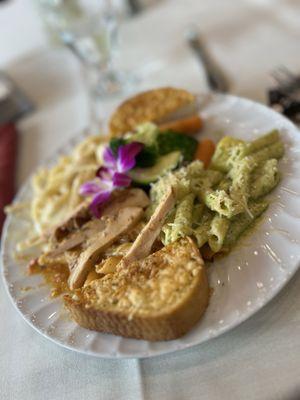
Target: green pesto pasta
(201, 233)
(223, 153)
(181, 181)
(218, 204)
(166, 229)
(190, 179)
(206, 181)
(263, 141)
(265, 179)
(222, 203)
(198, 211)
(241, 222)
(182, 225)
(240, 175)
(275, 150)
(166, 233)
(225, 184)
(216, 235)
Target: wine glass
(90, 29)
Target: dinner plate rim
(146, 354)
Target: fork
(285, 97)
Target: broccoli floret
(157, 144)
(169, 141)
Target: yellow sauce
(56, 276)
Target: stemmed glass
(90, 29)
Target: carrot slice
(188, 125)
(205, 151)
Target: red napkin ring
(8, 155)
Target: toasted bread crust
(164, 323)
(152, 105)
(162, 327)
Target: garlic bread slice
(158, 298)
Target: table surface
(258, 360)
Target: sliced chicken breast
(115, 226)
(141, 247)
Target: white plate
(242, 282)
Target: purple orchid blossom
(111, 175)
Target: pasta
(227, 194)
(223, 153)
(262, 142)
(275, 150)
(265, 179)
(225, 184)
(198, 211)
(56, 190)
(221, 202)
(182, 225)
(201, 233)
(241, 222)
(240, 175)
(218, 229)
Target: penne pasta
(275, 150)
(225, 152)
(220, 202)
(265, 179)
(201, 233)
(217, 233)
(243, 221)
(182, 224)
(262, 142)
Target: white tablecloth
(258, 360)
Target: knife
(13, 106)
(216, 79)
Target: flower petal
(108, 157)
(105, 173)
(88, 188)
(127, 154)
(97, 201)
(121, 180)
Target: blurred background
(74, 60)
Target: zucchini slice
(164, 164)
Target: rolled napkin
(8, 158)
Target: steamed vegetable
(189, 125)
(157, 143)
(146, 158)
(205, 151)
(171, 141)
(164, 164)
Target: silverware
(285, 96)
(13, 102)
(216, 79)
(288, 82)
